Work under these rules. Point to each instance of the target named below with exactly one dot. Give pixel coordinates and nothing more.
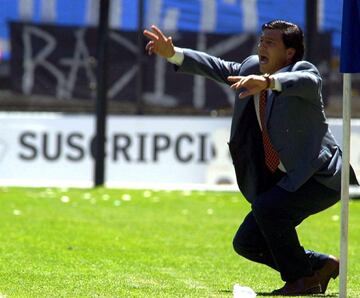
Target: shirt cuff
(178, 57)
(277, 84)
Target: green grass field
(143, 243)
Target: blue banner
(210, 16)
(350, 41)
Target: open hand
(159, 43)
(251, 84)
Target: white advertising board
(57, 150)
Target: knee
(247, 252)
(240, 246)
(237, 246)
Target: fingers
(239, 82)
(149, 48)
(246, 85)
(155, 37)
(158, 32)
(245, 93)
(234, 78)
(235, 86)
(150, 35)
(149, 45)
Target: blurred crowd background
(49, 52)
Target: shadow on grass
(269, 294)
(225, 291)
(263, 294)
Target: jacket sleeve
(211, 67)
(302, 81)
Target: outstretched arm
(192, 62)
(159, 44)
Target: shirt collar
(284, 69)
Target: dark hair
(292, 36)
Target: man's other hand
(250, 85)
(159, 43)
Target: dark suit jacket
(295, 121)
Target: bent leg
(277, 213)
(250, 243)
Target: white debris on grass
(16, 212)
(126, 197)
(187, 193)
(210, 211)
(87, 196)
(147, 194)
(335, 217)
(105, 197)
(117, 203)
(243, 292)
(65, 199)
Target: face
(272, 52)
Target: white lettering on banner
(65, 81)
(170, 22)
(216, 50)
(26, 9)
(116, 12)
(321, 15)
(158, 96)
(80, 59)
(250, 15)
(48, 10)
(30, 62)
(153, 12)
(123, 80)
(92, 12)
(208, 16)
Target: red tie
(271, 157)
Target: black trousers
(268, 234)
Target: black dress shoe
(329, 270)
(302, 286)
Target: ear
(290, 52)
